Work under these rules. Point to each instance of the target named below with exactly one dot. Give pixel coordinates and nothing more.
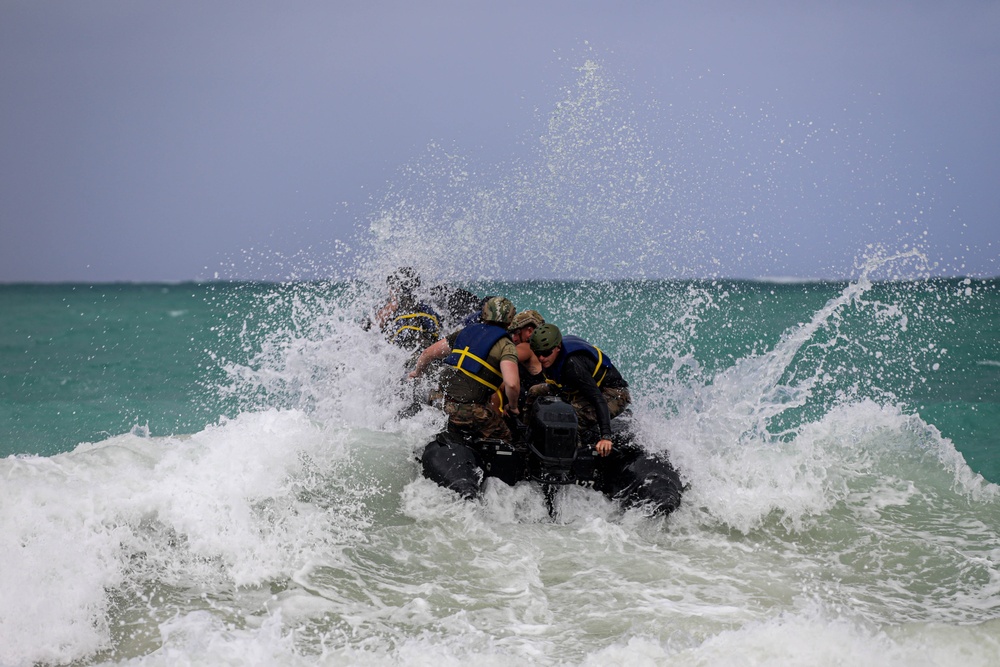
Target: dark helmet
(545, 338)
(462, 302)
(405, 279)
(498, 310)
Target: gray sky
(176, 140)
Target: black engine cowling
(557, 457)
(553, 439)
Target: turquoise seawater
(217, 474)
(84, 362)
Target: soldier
(584, 376)
(528, 366)
(480, 379)
(406, 321)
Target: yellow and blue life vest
(472, 346)
(417, 328)
(570, 345)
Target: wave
(319, 540)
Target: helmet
(498, 310)
(405, 279)
(524, 318)
(545, 338)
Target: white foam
(218, 509)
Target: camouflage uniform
(618, 399)
(483, 419)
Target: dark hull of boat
(629, 474)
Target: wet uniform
(585, 377)
(472, 377)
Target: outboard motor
(552, 438)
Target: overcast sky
(172, 140)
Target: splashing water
(825, 519)
(588, 200)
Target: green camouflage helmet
(545, 338)
(498, 310)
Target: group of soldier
(495, 361)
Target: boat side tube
(636, 477)
(450, 462)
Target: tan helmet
(524, 318)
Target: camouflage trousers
(617, 398)
(476, 417)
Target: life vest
(472, 346)
(570, 345)
(413, 328)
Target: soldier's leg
(489, 423)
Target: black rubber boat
(551, 450)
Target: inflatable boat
(552, 450)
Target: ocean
(214, 473)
